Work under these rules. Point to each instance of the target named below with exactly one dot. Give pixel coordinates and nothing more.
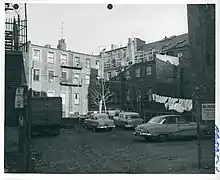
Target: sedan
(166, 127)
(99, 121)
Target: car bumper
(129, 126)
(142, 134)
(105, 127)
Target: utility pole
(102, 101)
(121, 88)
(25, 11)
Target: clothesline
(177, 104)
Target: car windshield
(156, 120)
(102, 117)
(133, 116)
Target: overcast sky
(87, 27)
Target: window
(97, 64)
(88, 63)
(50, 57)
(148, 70)
(50, 93)
(170, 120)
(36, 75)
(87, 79)
(138, 72)
(181, 120)
(64, 76)
(63, 59)
(63, 96)
(51, 75)
(76, 98)
(36, 55)
(76, 78)
(109, 76)
(77, 61)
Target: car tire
(162, 138)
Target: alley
(78, 150)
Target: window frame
(38, 75)
(88, 65)
(64, 80)
(87, 79)
(97, 64)
(76, 60)
(75, 78)
(34, 57)
(53, 93)
(136, 74)
(50, 52)
(62, 62)
(76, 99)
(146, 70)
(48, 77)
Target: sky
(88, 28)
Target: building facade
(63, 73)
(135, 83)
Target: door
(185, 128)
(171, 126)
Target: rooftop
(167, 43)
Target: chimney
(61, 44)
(47, 46)
(112, 47)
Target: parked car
(99, 121)
(166, 127)
(89, 113)
(113, 112)
(128, 120)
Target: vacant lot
(79, 150)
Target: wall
(44, 85)
(201, 28)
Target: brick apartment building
(60, 72)
(160, 76)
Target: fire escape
(15, 29)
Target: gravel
(79, 150)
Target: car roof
(99, 114)
(164, 116)
(129, 113)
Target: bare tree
(96, 94)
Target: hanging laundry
(154, 97)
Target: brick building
(159, 75)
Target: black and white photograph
(110, 88)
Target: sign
(19, 98)
(208, 111)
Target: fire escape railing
(16, 34)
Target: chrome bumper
(105, 127)
(137, 133)
(129, 125)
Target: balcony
(69, 83)
(75, 66)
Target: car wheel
(162, 138)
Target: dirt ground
(79, 150)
